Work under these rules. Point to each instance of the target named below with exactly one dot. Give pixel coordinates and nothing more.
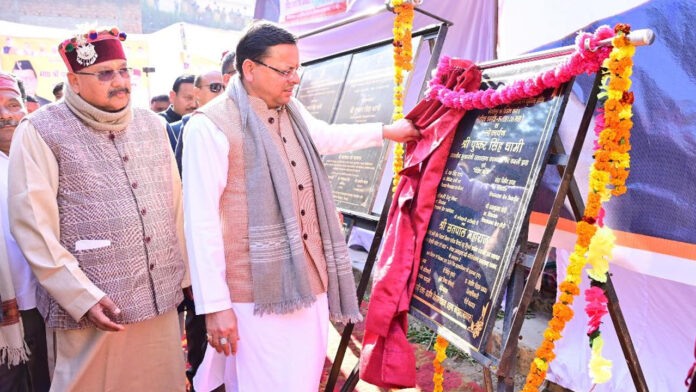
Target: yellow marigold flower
(551, 335)
(541, 364)
(600, 367)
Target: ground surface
(461, 373)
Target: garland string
(403, 56)
(595, 241)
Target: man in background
(32, 104)
(227, 66)
(183, 101)
(58, 91)
(24, 70)
(207, 86)
(159, 103)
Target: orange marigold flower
(609, 105)
(569, 288)
(556, 324)
(618, 191)
(563, 312)
(619, 84)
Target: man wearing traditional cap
(94, 197)
(23, 361)
(269, 262)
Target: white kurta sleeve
(35, 223)
(337, 138)
(204, 174)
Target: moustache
(113, 93)
(10, 122)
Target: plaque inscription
(321, 85)
(366, 97)
(482, 200)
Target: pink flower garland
(581, 61)
(596, 307)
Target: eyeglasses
(214, 87)
(109, 75)
(286, 74)
(231, 72)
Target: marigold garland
(595, 242)
(440, 355)
(403, 55)
(612, 147)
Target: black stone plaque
(367, 97)
(483, 199)
(321, 86)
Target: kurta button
(134, 185)
(143, 211)
(300, 187)
(285, 140)
(152, 266)
(305, 236)
(293, 163)
(148, 239)
(271, 120)
(125, 158)
(302, 212)
(112, 136)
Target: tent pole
(496, 29)
(638, 38)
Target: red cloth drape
(387, 359)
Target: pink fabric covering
(387, 359)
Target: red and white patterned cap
(92, 47)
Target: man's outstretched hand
(401, 131)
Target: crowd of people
(107, 257)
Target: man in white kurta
(274, 350)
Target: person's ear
(73, 82)
(248, 66)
